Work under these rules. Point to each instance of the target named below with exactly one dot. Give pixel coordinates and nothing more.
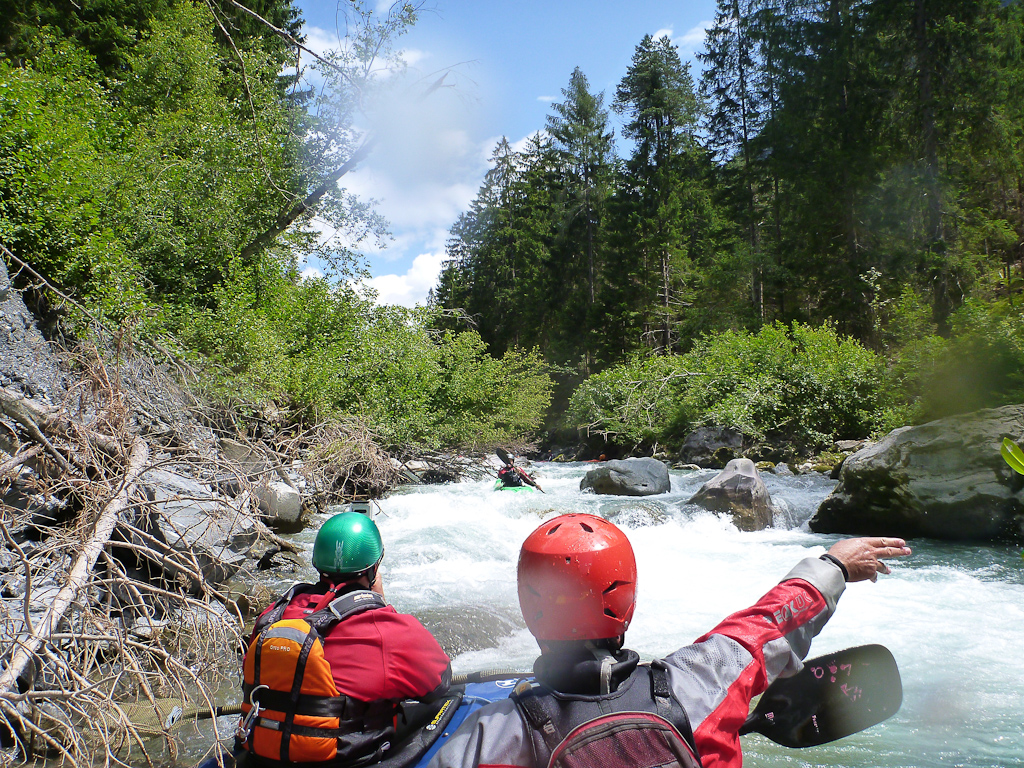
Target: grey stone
(250, 460)
(279, 502)
(191, 519)
(944, 480)
(851, 446)
(711, 447)
(26, 363)
(631, 477)
(739, 490)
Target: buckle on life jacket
(247, 723)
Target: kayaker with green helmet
(329, 664)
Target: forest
(821, 234)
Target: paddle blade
(503, 455)
(1012, 455)
(833, 696)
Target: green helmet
(348, 543)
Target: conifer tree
(584, 158)
(665, 207)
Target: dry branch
(28, 647)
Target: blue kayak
(429, 725)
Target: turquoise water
(953, 615)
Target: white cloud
(688, 42)
(409, 289)
(320, 41)
(546, 99)
(413, 56)
(693, 39)
(523, 143)
(309, 272)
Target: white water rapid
(953, 615)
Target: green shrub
(980, 366)
(629, 404)
(325, 351)
(808, 384)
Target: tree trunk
(288, 217)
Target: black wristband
(837, 561)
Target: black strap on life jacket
(554, 715)
(320, 622)
(339, 608)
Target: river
(952, 614)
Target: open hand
(863, 557)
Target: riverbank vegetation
(820, 235)
(854, 168)
(156, 164)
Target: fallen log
(28, 646)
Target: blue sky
(507, 62)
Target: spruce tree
(584, 159)
(663, 216)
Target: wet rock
(465, 628)
(739, 490)
(945, 480)
(711, 447)
(635, 514)
(631, 477)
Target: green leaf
(1013, 455)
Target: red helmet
(577, 579)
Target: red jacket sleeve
(715, 678)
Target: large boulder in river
(711, 447)
(630, 477)
(944, 480)
(739, 490)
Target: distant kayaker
(345, 707)
(512, 476)
(577, 591)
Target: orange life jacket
(292, 711)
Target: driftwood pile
(133, 514)
(102, 608)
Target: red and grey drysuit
(712, 681)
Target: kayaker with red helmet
(577, 590)
(329, 664)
